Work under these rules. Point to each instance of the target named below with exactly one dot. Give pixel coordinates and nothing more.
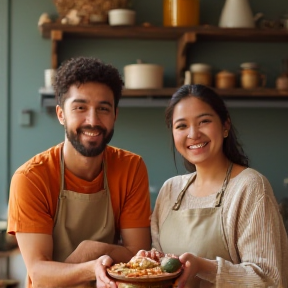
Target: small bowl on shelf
(121, 17)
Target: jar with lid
(201, 74)
(282, 80)
(225, 80)
(251, 77)
(181, 12)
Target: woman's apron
(198, 231)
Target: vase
(237, 14)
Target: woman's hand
(152, 254)
(102, 280)
(191, 268)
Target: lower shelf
(238, 98)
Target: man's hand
(102, 280)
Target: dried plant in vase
(88, 11)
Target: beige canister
(143, 76)
(201, 74)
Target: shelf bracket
(56, 36)
(183, 41)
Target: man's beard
(93, 149)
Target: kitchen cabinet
(184, 36)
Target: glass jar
(181, 12)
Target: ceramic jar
(181, 12)
(282, 82)
(121, 17)
(251, 77)
(143, 76)
(225, 80)
(201, 74)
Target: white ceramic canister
(143, 76)
(49, 77)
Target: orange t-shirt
(35, 187)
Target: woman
(223, 218)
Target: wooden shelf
(260, 97)
(183, 35)
(165, 33)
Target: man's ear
(60, 114)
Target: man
(69, 205)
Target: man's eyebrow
(85, 101)
(79, 101)
(107, 103)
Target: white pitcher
(237, 14)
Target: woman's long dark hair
(231, 147)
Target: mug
(252, 79)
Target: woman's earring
(225, 134)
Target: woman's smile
(197, 146)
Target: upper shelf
(202, 33)
(240, 98)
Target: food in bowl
(145, 267)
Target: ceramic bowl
(121, 17)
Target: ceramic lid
(200, 67)
(249, 65)
(225, 73)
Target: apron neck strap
(62, 172)
(182, 193)
(219, 195)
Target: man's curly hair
(81, 70)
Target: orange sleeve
(29, 210)
(136, 211)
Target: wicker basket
(86, 9)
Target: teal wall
(263, 131)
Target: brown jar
(251, 76)
(181, 12)
(282, 82)
(225, 80)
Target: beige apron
(199, 231)
(81, 217)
